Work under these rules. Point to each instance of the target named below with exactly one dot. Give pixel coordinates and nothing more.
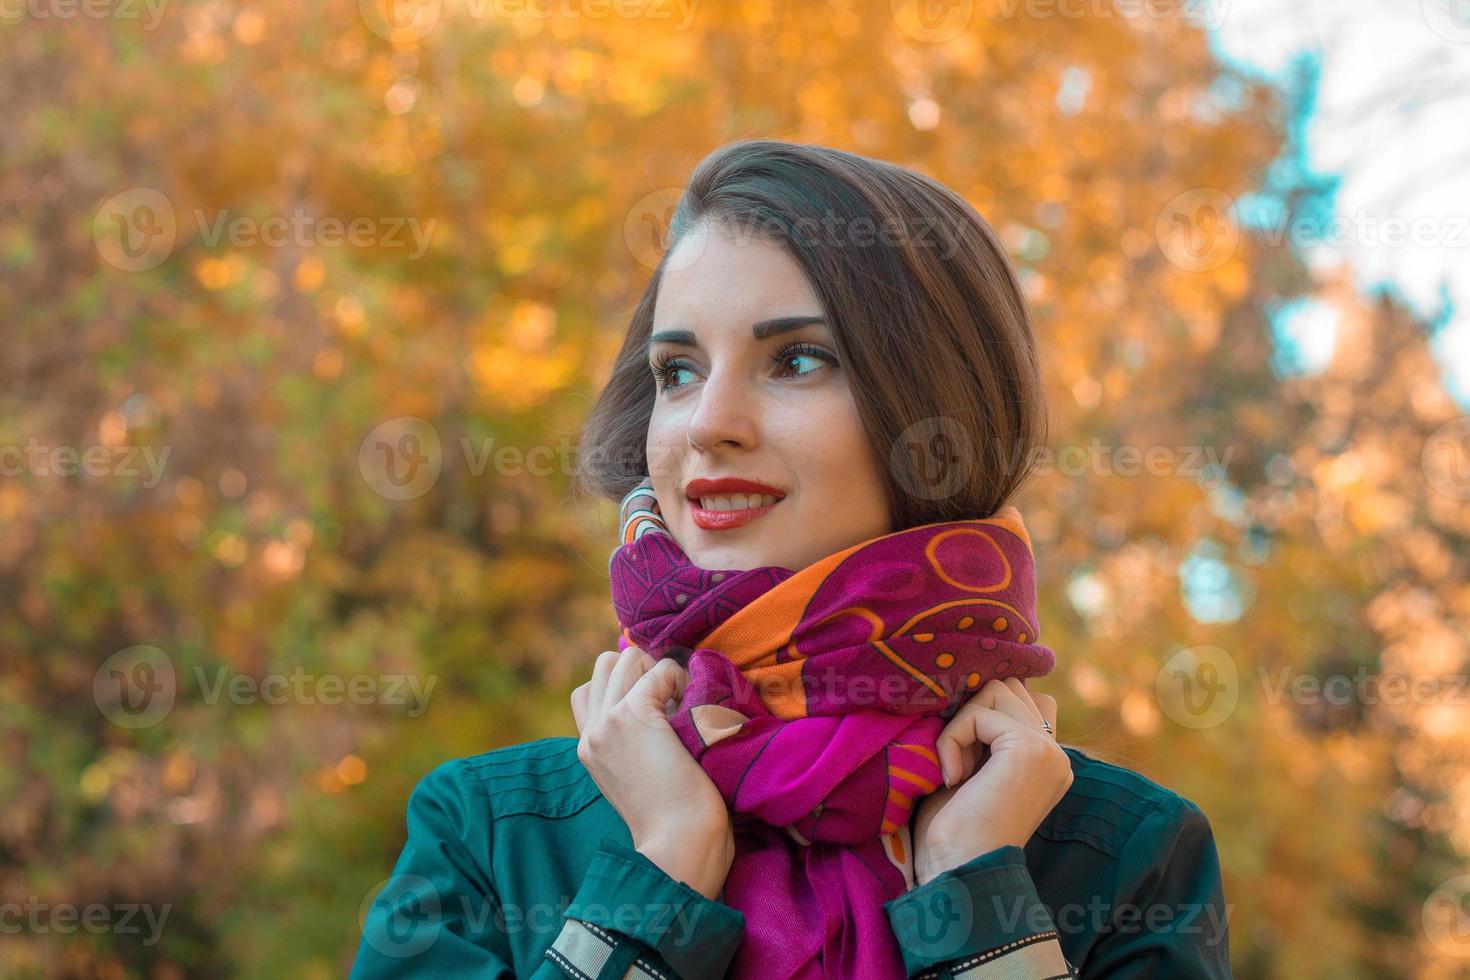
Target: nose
(724, 416)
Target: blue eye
(663, 368)
(667, 367)
(809, 352)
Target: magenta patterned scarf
(814, 702)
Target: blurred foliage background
(539, 156)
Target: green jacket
(517, 866)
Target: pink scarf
(814, 702)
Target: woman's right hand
(676, 815)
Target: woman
(827, 609)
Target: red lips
(724, 520)
(726, 485)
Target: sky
(1391, 123)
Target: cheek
(829, 450)
(664, 463)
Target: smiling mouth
(736, 501)
(723, 512)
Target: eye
(804, 352)
(666, 367)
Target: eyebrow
(761, 330)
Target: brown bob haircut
(926, 312)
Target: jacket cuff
(625, 892)
(982, 916)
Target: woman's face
(748, 387)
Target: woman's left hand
(1025, 775)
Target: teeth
(737, 501)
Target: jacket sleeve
(439, 915)
(1169, 919)
(978, 921)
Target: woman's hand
(676, 815)
(1025, 775)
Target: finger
(1048, 706)
(959, 755)
(579, 705)
(972, 725)
(969, 761)
(601, 670)
(1002, 696)
(1018, 688)
(631, 664)
(664, 682)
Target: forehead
(719, 278)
